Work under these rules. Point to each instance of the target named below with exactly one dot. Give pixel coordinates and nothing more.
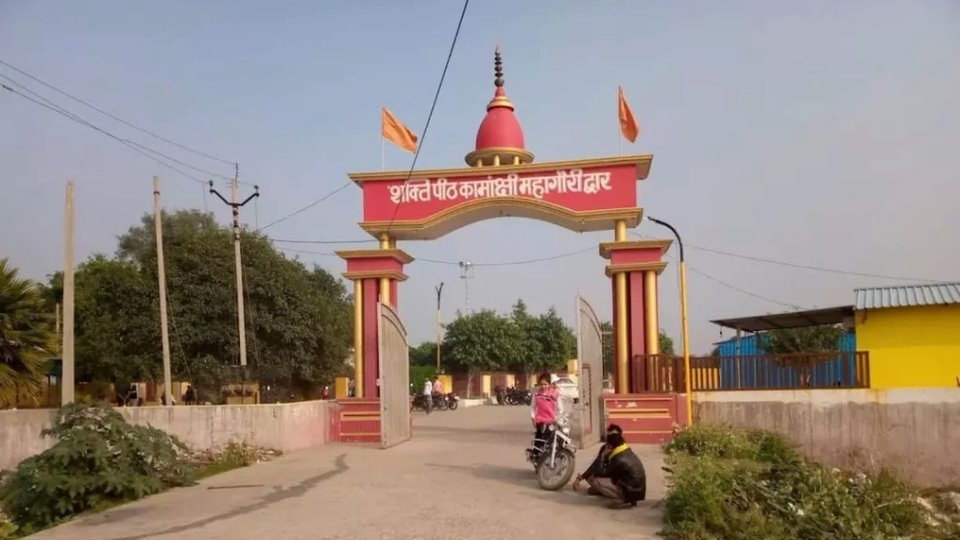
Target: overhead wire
(433, 106)
(305, 208)
(75, 118)
(115, 117)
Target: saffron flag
(397, 133)
(628, 122)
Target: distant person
(438, 386)
(190, 395)
(325, 394)
(427, 395)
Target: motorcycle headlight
(552, 427)
(565, 430)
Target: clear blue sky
(821, 133)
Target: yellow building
(912, 334)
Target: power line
(114, 117)
(795, 265)
(433, 106)
(743, 291)
(126, 142)
(358, 241)
(307, 207)
(419, 146)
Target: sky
(818, 133)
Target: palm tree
(25, 337)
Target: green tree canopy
(298, 320)
(811, 339)
(424, 354)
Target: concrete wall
(286, 427)
(911, 347)
(915, 432)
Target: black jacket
(597, 469)
(626, 471)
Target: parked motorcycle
(453, 401)
(439, 401)
(555, 461)
(419, 401)
(516, 396)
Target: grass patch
(750, 484)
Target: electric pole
(162, 278)
(466, 273)
(439, 289)
(235, 205)
(66, 375)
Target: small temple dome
(500, 137)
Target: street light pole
(465, 275)
(439, 289)
(683, 319)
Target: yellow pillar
(385, 281)
(623, 355)
(652, 330)
(496, 160)
(622, 330)
(358, 338)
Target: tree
(299, 323)
(556, 341)
(529, 350)
(424, 354)
(666, 344)
(26, 337)
(810, 339)
(481, 341)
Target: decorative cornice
(374, 274)
(642, 162)
(478, 209)
(606, 248)
(396, 254)
(613, 269)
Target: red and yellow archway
(502, 180)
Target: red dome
(500, 137)
(500, 128)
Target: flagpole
(382, 166)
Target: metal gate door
(590, 356)
(394, 378)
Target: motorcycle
(555, 460)
(516, 396)
(439, 401)
(453, 401)
(419, 401)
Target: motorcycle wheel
(442, 404)
(554, 478)
(453, 405)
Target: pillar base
(647, 418)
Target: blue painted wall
(752, 374)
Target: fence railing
(664, 373)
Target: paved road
(462, 477)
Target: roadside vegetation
(733, 484)
(100, 461)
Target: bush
(735, 484)
(98, 460)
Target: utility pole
(439, 289)
(232, 203)
(162, 277)
(66, 383)
(466, 273)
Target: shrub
(98, 460)
(735, 484)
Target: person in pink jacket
(544, 409)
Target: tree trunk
(469, 384)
